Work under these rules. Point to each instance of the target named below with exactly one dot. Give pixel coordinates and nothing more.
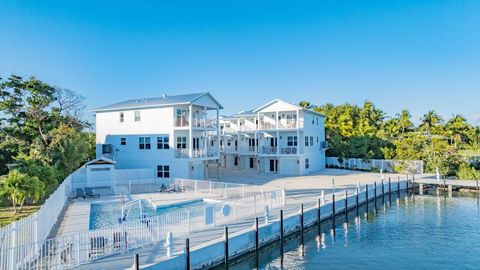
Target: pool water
(108, 213)
(413, 232)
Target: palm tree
(404, 120)
(457, 128)
(18, 187)
(430, 120)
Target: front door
(252, 163)
(272, 165)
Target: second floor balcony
(196, 153)
(280, 150)
(181, 121)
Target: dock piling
(375, 194)
(319, 214)
(187, 254)
(256, 235)
(136, 263)
(301, 219)
(226, 247)
(346, 205)
(333, 212)
(356, 201)
(366, 198)
(281, 225)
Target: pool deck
(76, 216)
(300, 189)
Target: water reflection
(390, 232)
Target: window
(307, 163)
(162, 143)
(317, 139)
(107, 148)
(292, 140)
(122, 117)
(311, 140)
(181, 142)
(317, 121)
(163, 171)
(137, 116)
(306, 140)
(123, 141)
(144, 143)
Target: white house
(278, 137)
(173, 135)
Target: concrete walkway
(304, 189)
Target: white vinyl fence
(392, 166)
(35, 228)
(238, 201)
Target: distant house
(174, 135)
(278, 137)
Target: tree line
(42, 138)
(367, 132)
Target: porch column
(276, 120)
(205, 132)
(218, 133)
(190, 133)
(277, 138)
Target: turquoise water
(108, 213)
(413, 232)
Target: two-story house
(278, 137)
(173, 135)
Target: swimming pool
(107, 213)
(420, 232)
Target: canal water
(432, 231)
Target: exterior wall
(274, 122)
(154, 123)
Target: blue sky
(418, 55)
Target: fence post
(78, 248)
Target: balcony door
(273, 142)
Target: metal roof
(164, 100)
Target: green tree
(404, 120)
(19, 187)
(430, 121)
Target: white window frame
(138, 116)
(144, 143)
(163, 171)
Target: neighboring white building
(277, 137)
(174, 135)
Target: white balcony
(283, 150)
(197, 153)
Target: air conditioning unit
(324, 145)
(107, 149)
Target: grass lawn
(7, 216)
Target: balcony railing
(196, 153)
(283, 150)
(229, 149)
(290, 150)
(268, 150)
(181, 121)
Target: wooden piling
(187, 254)
(136, 263)
(256, 235)
(281, 225)
(226, 247)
